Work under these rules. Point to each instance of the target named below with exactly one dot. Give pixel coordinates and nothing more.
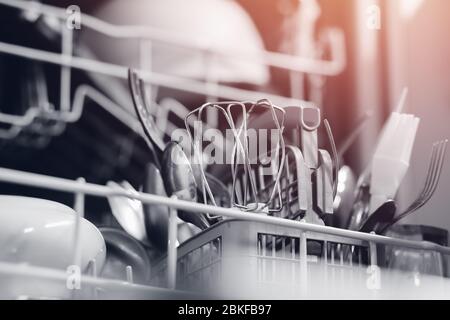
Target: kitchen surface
(224, 149)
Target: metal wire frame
(81, 188)
(240, 148)
(284, 61)
(67, 61)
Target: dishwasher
(208, 188)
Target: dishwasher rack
(240, 225)
(68, 59)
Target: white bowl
(41, 233)
(223, 25)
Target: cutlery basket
(236, 254)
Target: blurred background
(388, 45)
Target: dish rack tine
(172, 248)
(129, 274)
(79, 210)
(92, 268)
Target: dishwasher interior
(152, 151)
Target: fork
(433, 175)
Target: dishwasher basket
(248, 256)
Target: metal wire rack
(70, 111)
(264, 231)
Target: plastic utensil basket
(261, 256)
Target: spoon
(156, 216)
(345, 196)
(180, 181)
(360, 208)
(379, 217)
